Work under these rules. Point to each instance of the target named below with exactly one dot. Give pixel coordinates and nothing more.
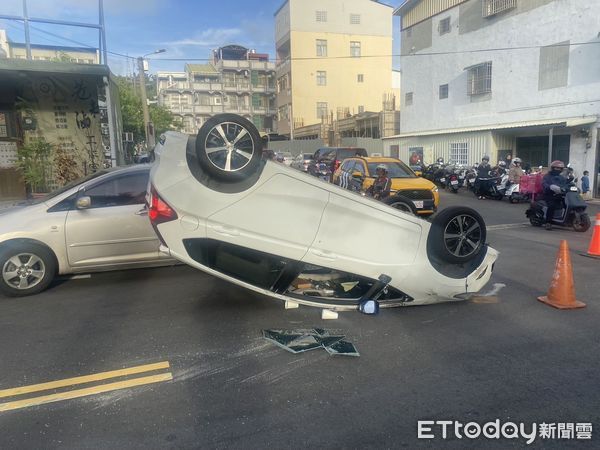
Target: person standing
(585, 185)
(483, 171)
(552, 183)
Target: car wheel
(26, 269)
(401, 203)
(457, 235)
(229, 147)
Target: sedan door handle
(142, 212)
(325, 255)
(227, 231)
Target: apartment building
(334, 59)
(236, 80)
(39, 52)
(498, 77)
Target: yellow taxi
(409, 192)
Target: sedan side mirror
(83, 202)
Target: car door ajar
(115, 228)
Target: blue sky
(185, 28)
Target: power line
(456, 52)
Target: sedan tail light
(159, 211)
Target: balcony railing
(493, 7)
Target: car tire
(26, 269)
(401, 203)
(229, 147)
(457, 235)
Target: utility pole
(148, 128)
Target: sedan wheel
(401, 203)
(229, 147)
(457, 235)
(26, 270)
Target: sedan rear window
(395, 169)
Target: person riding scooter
(515, 172)
(500, 169)
(552, 185)
(380, 189)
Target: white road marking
(507, 226)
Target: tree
(32, 160)
(133, 117)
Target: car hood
(411, 183)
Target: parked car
(221, 208)
(284, 157)
(409, 192)
(302, 161)
(97, 223)
(332, 157)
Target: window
(355, 49)
(360, 78)
(346, 165)
(361, 109)
(408, 98)
(354, 19)
(321, 16)
(444, 26)
(443, 91)
(321, 78)
(459, 153)
(124, 190)
(321, 47)
(554, 66)
(493, 7)
(479, 80)
(321, 109)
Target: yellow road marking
(83, 379)
(8, 406)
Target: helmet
(440, 160)
(517, 161)
(485, 158)
(502, 164)
(557, 165)
(381, 167)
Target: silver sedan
(97, 223)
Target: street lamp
(148, 127)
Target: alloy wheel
(462, 235)
(23, 271)
(229, 146)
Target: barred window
(355, 49)
(321, 109)
(459, 152)
(321, 47)
(443, 91)
(321, 78)
(354, 19)
(444, 26)
(493, 7)
(479, 80)
(321, 16)
(408, 98)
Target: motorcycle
(323, 172)
(513, 194)
(489, 187)
(570, 214)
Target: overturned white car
(217, 205)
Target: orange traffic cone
(594, 250)
(561, 294)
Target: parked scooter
(323, 172)
(571, 214)
(488, 188)
(513, 194)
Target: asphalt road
(504, 356)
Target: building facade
(237, 80)
(500, 76)
(18, 50)
(334, 60)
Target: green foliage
(133, 117)
(32, 161)
(61, 57)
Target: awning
(566, 122)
